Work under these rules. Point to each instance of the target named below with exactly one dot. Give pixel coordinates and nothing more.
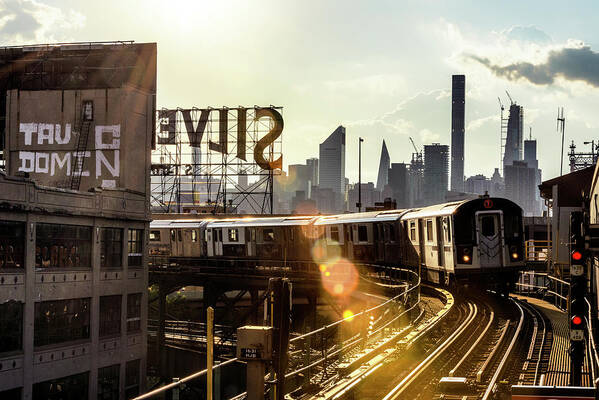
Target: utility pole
(359, 204)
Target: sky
(382, 69)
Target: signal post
(578, 290)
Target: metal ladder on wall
(79, 155)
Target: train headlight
(465, 254)
(514, 252)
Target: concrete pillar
(29, 308)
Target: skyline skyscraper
(458, 106)
(384, 165)
(513, 140)
(436, 171)
(331, 164)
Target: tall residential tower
(458, 96)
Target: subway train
(471, 241)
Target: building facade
(73, 292)
(78, 128)
(384, 165)
(436, 173)
(458, 106)
(331, 168)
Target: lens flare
(348, 315)
(340, 278)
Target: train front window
(487, 226)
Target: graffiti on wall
(102, 162)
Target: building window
(108, 382)
(110, 315)
(11, 394)
(72, 387)
(11, 326)
(132, 379)
(268, 234)
(112, 248)
(154, 236)
(362, 233)
(133, 312)
(135, 245)
(63, 246)
(335, 233)
(233, 235)
(429, 230)
(61, 321)
(12, 244)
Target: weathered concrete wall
(43, 130)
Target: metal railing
(537, 250)
(318, 348)
(546, 286)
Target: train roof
(275, 221)
(372, 216)
(177, 223)
(436, 210)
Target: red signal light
(576, 320)
(576, 255)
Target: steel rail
(418, 370)
(506, 355)
(473, 347)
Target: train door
(488, 232)
(440, 244)
(349, 241)
(379, 241)
(251, 241)
(421, 242)
(210, 242)
(177, 242)
(218, 241)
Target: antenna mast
(561, 126)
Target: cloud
(570, 63)
(30, 21)
(527, 34)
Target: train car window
(511, 225)
(335, 233)
(429, 230)
(391, 233)
(179, 235)
(487, 226)
(172, 235)
(291, 234)
(446, 232)
(194, 235)
(233, 235)
(362, 233)
(412, 231)
(154, 236)
(268, 235)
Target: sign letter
(269, 139)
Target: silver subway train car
(479, 240)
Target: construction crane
(510, 97)
(500, 104)
(414, 145)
